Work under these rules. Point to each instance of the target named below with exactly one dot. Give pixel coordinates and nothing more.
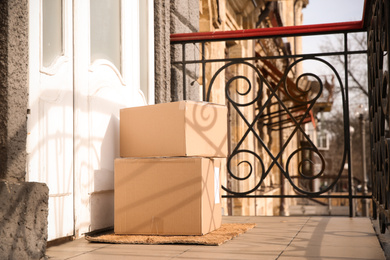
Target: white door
(75, 133)
(50, 122)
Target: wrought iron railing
(266, 97)
(378, 34)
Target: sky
(330, 11)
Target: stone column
(184, 19)
(23, 205)
(162, 51)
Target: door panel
(50, 124)
(104, 84)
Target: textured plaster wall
(13, 88)
(23, 220)
(23, 205)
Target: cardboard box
(184, 128)
(167, 196)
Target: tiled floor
(273, 238)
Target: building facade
(228, 15)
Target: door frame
(142, 78)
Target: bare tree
(357, 63)
(357, 83)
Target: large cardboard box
(167, 196)
(184, 128)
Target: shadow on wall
(102, 199)
(51, 146)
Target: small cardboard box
(184, 128)
(167, 196)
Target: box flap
(139, 136)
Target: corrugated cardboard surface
(165, 196)
(184, 128)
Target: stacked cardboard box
(167, 181)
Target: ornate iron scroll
(379, 113)
(301, 98)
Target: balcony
(273, 150)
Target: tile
(98, 256)
(67, 252)
(306, 258)
(222, 256)
(273, 238)
(331, 252)
(140, 250)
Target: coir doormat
(215, 238)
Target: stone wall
(162, 51)
(184, 19)
(175, 16)
(23, 206)
(23, 220)
(13, 89)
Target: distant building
(226, 15)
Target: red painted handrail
(266, 32)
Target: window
(322, 140)
(52, 31)
(105, 31)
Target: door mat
(215, 238)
